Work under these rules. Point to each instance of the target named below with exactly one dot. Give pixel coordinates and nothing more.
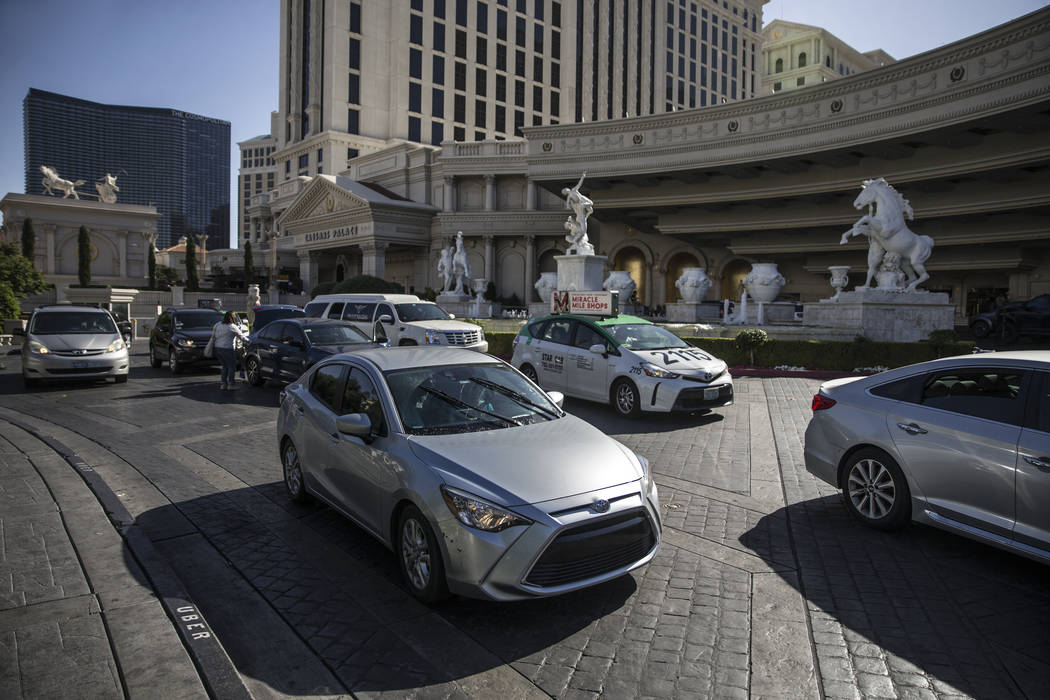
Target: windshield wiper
(463, 404)
(511, 394)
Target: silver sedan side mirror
(597, 348)
(557, 397)
(356, 424)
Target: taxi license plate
(84, 365)
(710, 394)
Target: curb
(766, 372)
(214, 666)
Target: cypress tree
(249, 264)
(151, 263)
(191, 264)
(28, 239)
(84, 256)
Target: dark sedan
(283, 350)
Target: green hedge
(500, 342)
(831, 355)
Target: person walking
(225, 334)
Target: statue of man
(444, 268)
(107, 189)
(582, 207)
(461, 271)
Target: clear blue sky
(219, 58)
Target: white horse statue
(51, 179)
(107, 189)
(461, 271)
(886, 231)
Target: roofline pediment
(319, 190)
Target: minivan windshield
(196, 320)
(62, 322)
(466, 398)
(644, 336)
(421, 312)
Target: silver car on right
(960, 443)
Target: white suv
(409, 320)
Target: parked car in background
(1014, 319)
(960, 443)
(283, 350)
(626, 361)
(179, 336)
(404, 319)
(264, 315)
(476, 478)
(63, 341)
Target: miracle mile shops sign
(593, 303)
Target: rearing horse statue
(887, 231)
(52, 179)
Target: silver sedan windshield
(466, 398)
(641, 336)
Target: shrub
(428, 294)
(192, 281)
(750, 340)
(151, 266)
(28, 239)
(501, 343)
(9, 307)
(365, 284)
(490, 292)
(322, 288)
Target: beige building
(799, 55)
(258, 173)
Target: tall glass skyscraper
(177, 161)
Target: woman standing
(225, 334)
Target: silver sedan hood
(529, 464)
(75, 341)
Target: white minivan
(404, 319)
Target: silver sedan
(474, 477)
(961, 443)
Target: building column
(490, 192)
(489, 255)
(530, 196)
(122, 246)
(307, 269)
(373, 259)
(449, 203)
(530, 267)
(1019, 289)
(49, 248)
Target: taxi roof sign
(587, 303)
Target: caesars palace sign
(343, 234)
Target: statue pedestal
(580, 273)
(692, 312)
(903, 317)
(459, 305)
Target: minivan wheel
(875, 491)
(530, 372)
(419, 557)
(154, 361)
(293, 472)
(625, 399)
(173, 362)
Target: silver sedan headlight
(482, 515)
(652, 370)
(115, 346)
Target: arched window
(802, 60)
(779, 68)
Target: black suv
(180, 335)
(1031, 317)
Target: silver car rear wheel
(293, 472)
(420, 557)
(875, 490)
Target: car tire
(154, 361)
(530, 373)
(253, 370)
(407, 341)
(173, 363)
(980, 328)
(625, 399)
(419, 557)
(293, 473)
(875, 491)
(121, 379)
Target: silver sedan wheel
(415, 551)
(293, 474)
(871, 489)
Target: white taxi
(632, 364)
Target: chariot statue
(582, 207)
(107, 189)
(887, 231)
(51, 180)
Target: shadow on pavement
(603, 417)
(302, 598)
(958, 611)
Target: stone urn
(546, 285)
(839, 278)
(620, 281)
(693, 284)
(764, 282)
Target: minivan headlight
(115, 346)
(433, 337)
(39, 348)
(482, 515)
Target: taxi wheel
(530, 372)
(625, 398)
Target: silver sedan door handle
(334, 437)
(1041, 462)
(912, 429)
